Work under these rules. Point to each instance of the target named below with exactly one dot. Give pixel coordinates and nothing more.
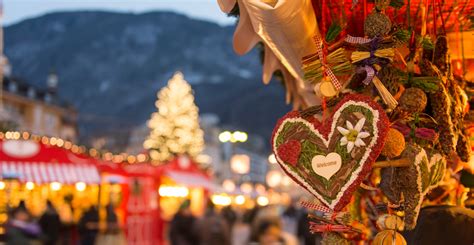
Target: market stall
(144, 196)
(182, 179)
(153, 194)
(34, 172)
(140, 204)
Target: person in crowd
(290, 218)
(240, 231)
(251, 214)
(305, 236)
(438, 225)
(112, 235)
(268, 231)
(20, 228)
(112, 220)
(89, 226)
(69, 233)
(181, 226)
(229, 215)
(212, 229)
(50, 224)
(22, 206)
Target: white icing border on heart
(336, 115)
(418, 160)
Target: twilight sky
(16, 10)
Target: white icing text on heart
(326, 166)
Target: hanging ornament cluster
(382, 120)
(390, 226)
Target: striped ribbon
(316, 207)
(357, 40)
(327, 70)
(370, 73)
(315, 227)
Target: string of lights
(78, 149)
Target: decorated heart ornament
(331, 158)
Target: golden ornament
(390, 222)
(377, 25)
(394, 144)
(327, 89)
(413, 100)
(389, 237)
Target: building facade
(35, 110)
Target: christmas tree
(174, 128)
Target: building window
(31, 93)
(51, 123)
(13, 87)
(48, 98)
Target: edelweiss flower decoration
(353, 135)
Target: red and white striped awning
(191, 179)
(47, 172)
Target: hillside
(111, 65)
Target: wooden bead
(327, 89)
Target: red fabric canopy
(181, 169)
(28, 160)
(185, 171)
(447, 13)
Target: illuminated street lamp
(239, 200)
(240, 164)
(286, 181)
(228, 185)
(55, 186)
(30, 185)
(81, 186)
(246, 188)
(239, 136)
(260, 189)
(221, 200)
(262, 201)
(272, 159)
(225, 136)
(274, 177)
(233, 137)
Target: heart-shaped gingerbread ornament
(331, 158)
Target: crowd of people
(271, 225)
(50, 229)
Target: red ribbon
(315, 227)
(326, 69)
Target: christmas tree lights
(174, 128)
